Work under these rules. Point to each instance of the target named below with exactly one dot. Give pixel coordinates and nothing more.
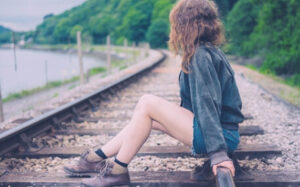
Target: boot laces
(106, 169)
(86, 152)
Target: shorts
(232, 138)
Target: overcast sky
(25, 15)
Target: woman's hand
(225, 164)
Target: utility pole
(147, 49)
(80, 57)
(46, 72)
(125, 43)
(1, 107)
(143, 51)
(108, 53)
(14, 47)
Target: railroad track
(33, 153)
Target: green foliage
(122, 19)
(162, 9)
(5, 37)
(231, 3)
(251, 66)
(74, 31)
(240, 24)
(294, 80)
(97, 70)
(135, 25)
(100, 27)
(158, 34)
(52, 84)
(62, 31)
(270, 29)
(4, 29)
(223, 6)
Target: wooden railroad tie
(251, 151)
(244, 131)
(149, 179)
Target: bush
(294, 80)
(158, 34)
(270, 29)
(241, 22)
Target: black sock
(121, 163)
(100, 153)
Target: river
(35, 68)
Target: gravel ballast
(280, 121)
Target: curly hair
(194, 22)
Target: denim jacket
(209, 90)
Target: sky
(25, 15)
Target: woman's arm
(206, 98)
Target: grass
(95, 71)
(286, 81)
(52, 84)
(273, 83)
(55, 95)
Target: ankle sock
(121, 163)
(100, 153)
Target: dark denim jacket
(211, 93)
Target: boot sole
(76, 174)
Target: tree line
(270, 29)
(135, 20)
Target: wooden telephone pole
(1, 107)
(14, 47)
(80, 57)
(108, 58)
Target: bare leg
(150, 112)
(176, 121)
(112, 147)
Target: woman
(210, 110)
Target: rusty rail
(224, 178)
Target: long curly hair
(194, 22)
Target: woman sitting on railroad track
(210, 110)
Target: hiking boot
(202, 173)
(89, 163)
(111, 174)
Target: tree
(157, 34)
(100, 27)
(223, 6)
(231, 3)
(5, 37)
(74, 31)
(278, 31)
(162, 9)
(135, 25)
(62, 31)
(241, 22)
(48, 16)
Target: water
(31, 70)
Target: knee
(146, 103)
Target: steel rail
(224, 178)
(22, 134)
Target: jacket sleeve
(206, 98)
